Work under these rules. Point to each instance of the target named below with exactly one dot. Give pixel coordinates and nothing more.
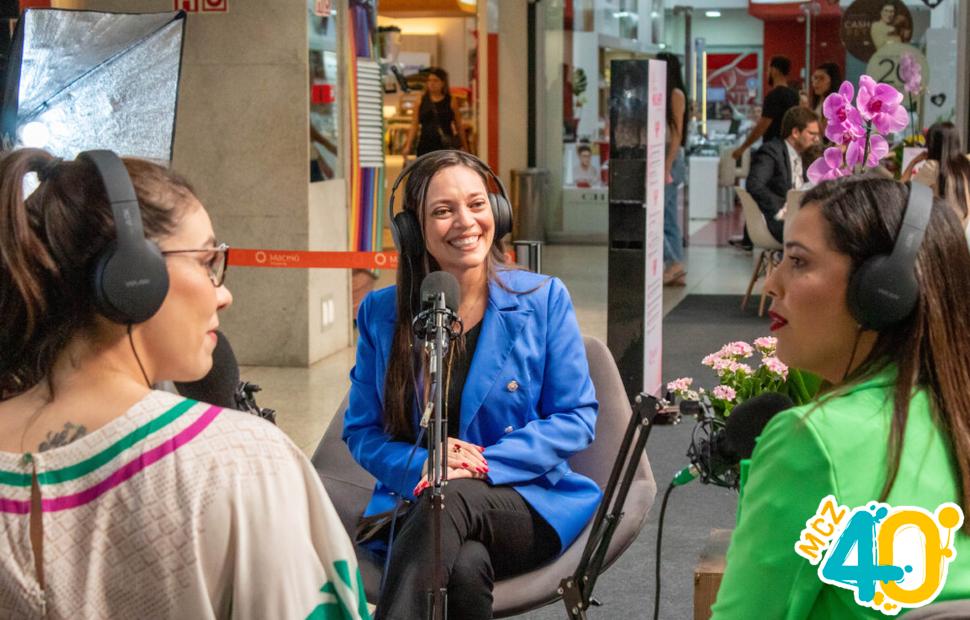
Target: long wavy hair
(943, 146)
(48, 244)
(675, 79)
(929, 348)
(401, 377)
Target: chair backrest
(726, 168)
(757, 227)
(742, 171)
(596, 461)
(793, 202)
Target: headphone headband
(121, 195)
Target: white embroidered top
(176, 509)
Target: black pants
(488, 533)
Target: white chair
(762, 240)
(728, 173)
(793, 202)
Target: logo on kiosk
(889, 557)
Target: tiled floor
(306, 398)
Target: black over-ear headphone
(883, 290)
(406, 229)
(129, 278)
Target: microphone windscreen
(218, 387)
(441, 281)
(749, 419)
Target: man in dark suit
(777, 166)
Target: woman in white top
(117, 501)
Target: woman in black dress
(437, 117)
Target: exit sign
(202, 6)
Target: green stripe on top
(78, 470)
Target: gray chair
(349, 487)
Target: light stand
(577, 590)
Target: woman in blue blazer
(520, 398)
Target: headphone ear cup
(407, 234)
(502, 213)
(115, 297)
(880, 294)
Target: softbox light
(80, 80)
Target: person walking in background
(779, 100)
(777, 166)
(675, 171)
(437, 123)
(826, 80)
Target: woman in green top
(894, 424)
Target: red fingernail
(465, 465)
(481, 449)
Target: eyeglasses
(216, 265)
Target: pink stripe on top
(130, 469)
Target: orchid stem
(865, 153)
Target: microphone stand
(577, 590)
(437, 450)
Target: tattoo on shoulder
(71, 432)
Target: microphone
(218, 387)
(714, 459)
(223, 387)
(440, 297)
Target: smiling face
(458, 223)
(809, 312)
(180, 338)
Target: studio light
(80, 80)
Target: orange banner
(293, 259)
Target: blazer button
(508, 429)
(512, 386)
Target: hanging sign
(202, 6)
(868, 25)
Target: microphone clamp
(423, 324)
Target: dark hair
(782, 63)
(942, 145)
(835, 80)
(797, 117)
(583, 147)
(48, 243)
(442, 75)
(928, 348)
(955, 187)
(675, 80)
(400, 378)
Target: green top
(837, 448)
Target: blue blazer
(528, 400)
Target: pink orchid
(878, 148)
(911, 73)
(828, 166)
(879, 103)
(844, 121)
